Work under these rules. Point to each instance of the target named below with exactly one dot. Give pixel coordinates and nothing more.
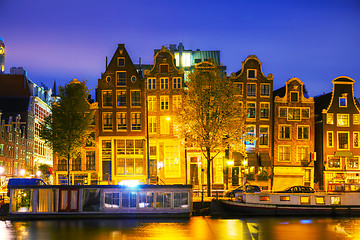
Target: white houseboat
(289, 204)
(58, 201)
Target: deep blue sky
(314, 40)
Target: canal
(199, 228)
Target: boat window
(181, 200)
(46, 200)
(112, 200)
(22, 200)
(91, 200)
(305, 200)
(146, 200)
(264, 198)
(336, 200)
(320, 200)
(163, 200)
(128, 200)
(284, 198)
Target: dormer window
(294, 96)
(121, 62)
(342, 102)
(251, 73)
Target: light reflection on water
(194, 228)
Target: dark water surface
(198, 228)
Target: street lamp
(22, 172)
(229, 163)
(244, 163)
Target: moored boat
(58, 201)
(289, 204)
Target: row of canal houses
(297, 140)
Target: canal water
(199, 228)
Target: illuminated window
(284, 131)
(121, 98)
(176, 102)
(120, 78)
(129, 166)
(107, 98)
(128, 200)
(135, 121)
(356, 119)
(163, 200)
(146, 199)
(284, 153)
(264, 89)
(107, 121)
(284, 198)
(294, 96)
(352, 163)
(305, 113)
(151, 83)
(303, 153)
(250, 134)
(152, 103)
(335, 200)
(320, 200)
(294, 114)
(121, 121)
(177, 59)
(303, 132)
(172, 162)
(176, 83)
(264, 198)
(264, 110)
(164, 83)
(251, 73)
(181, 200)
(283, 112)
(164, 125)
(334, 162)
(264, 135)
(251, 89)
(164, 68)
(164, 102)
(330, 139)
(121, 61)
(305, 200)
(90, 160)
(342, 102)
(152, 124)
(342, 120)
(106, 150)
(135, 98)
(329, 118)
(343, 140)
(355, 139)
(251, 109)
(112, 200)
(186, 59)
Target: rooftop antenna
(106, 63)
(140, 71)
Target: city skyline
(313, 41)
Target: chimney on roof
(17, 71)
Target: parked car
(297, 189)
(248, 189)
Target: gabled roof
(13, 107)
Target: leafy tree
(213, 116)
(45, 171)
(67, 129)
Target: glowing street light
(22, 172)
(2, 170)
(38, 173)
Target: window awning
(252, 159)
(343, 154)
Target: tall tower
(2, 56)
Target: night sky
(315, 41)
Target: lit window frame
(338, 140)
(308, 132)
(255, 73)
(340, 117)
(261, 89)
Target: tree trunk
(68, 168)
(208, 177)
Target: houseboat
(59, 201)
(289, 204)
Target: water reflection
(194, 228)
